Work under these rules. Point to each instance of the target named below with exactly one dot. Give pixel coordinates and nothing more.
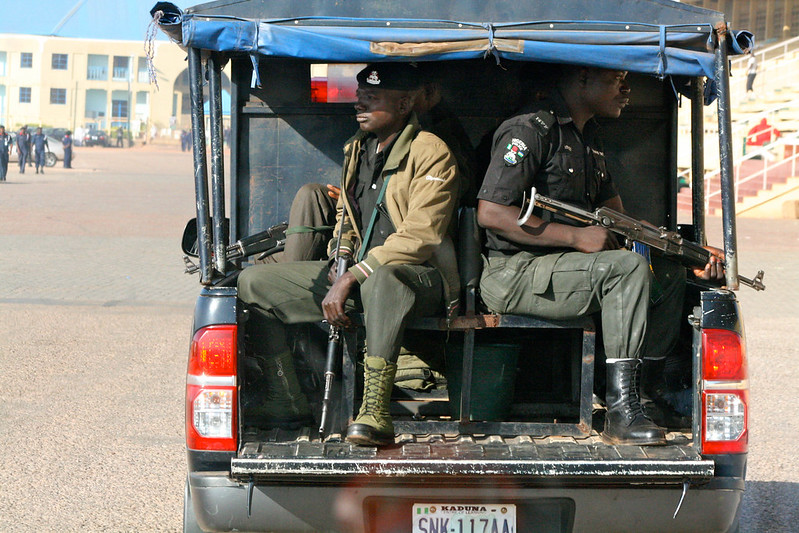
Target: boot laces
(632, 389)
(373, 391)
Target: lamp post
(130, 98)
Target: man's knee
(310, 193)
(248, 281)
(623, 264)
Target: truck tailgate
(436, 459)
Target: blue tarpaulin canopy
(656, 49)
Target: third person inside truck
(551, 268)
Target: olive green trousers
(614, 283)
(292, 293)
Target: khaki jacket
(421, 199)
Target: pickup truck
(461, 461)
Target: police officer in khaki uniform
(553, 268)
(313, 209)
(400, 190)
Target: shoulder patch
(516, 150)
(542, 121)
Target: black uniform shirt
(541, 147)
(5, 144)
(367, 190)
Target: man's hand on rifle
(333, 306)
(591, 239)
(714, 269)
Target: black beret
(396, 76)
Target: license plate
(464, 518)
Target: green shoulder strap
(373, 219)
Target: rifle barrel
(670, 243)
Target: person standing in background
(751, 73)
(23, 148)
(5, 151)
(39, 142)
(66, 142)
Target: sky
(93, 19)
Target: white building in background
(89, 83)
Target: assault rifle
(333, 339)
(266, 243)
(670, 243)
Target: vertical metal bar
(200, 166)
(587, 380)
(698, 160)
(466, 377)
(722, 75)
(673, 183)
(217, 162)
(236, 86)
(696, 424)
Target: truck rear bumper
(222, 504)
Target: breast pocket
(565, 176)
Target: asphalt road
(95, 316)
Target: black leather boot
(625, 420)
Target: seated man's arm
(535, 232)
(712, 271)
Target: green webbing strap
(372, 220)
(307, 229)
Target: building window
(26, 60)
(143, 75)
(24, 95)
(795, 19)
(58, 96)
(119, 108)
(97, 68)
(760, 26)
(743, 22)
(778, 21)
(121, 68)
(59, 62)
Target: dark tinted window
(59, 62)
(58, 96)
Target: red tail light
(725, 395)
(723, 355)
(211, 390)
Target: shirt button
(571, 171)
(374, 185)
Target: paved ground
(95, 314)
(95, 317)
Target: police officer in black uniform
(66, 142)
(41, 147)
(553, 268)
(5, 152)
(23, 148)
